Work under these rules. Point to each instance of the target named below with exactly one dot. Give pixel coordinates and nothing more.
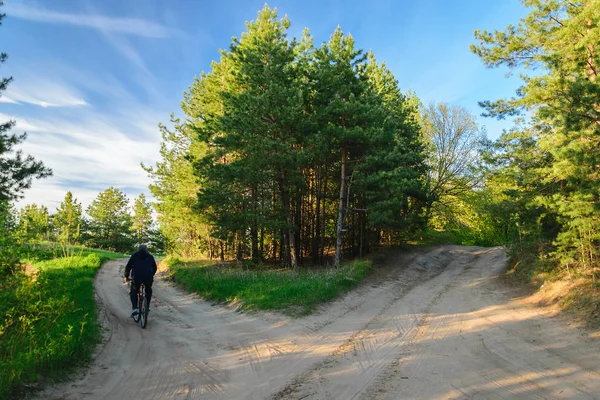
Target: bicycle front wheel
(144, 312)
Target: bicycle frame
(141, 294)
(142, 315)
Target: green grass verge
(48, 320)
(35, 252)
(296, 293)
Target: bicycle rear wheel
(144, 312)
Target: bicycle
(142, 315)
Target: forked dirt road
(439, 325)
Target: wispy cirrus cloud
(5, 99)
(126, 26)
(128, 51)
(42, 92)
(89, 152)
(118, 32)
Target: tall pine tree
(34, 222)
(68, 220)
(560, 41)
(268, 132)
(142, 221)
(110, 223)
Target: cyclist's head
(142, 247)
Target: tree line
(294, 152)
(537, 187)
(109, 224)
(544, 174)
(291, 151)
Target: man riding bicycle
(142, 267)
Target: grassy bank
(35, 252)
(49, 320)
(574, 289)
(296, 293)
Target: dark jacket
(143, 265)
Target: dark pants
(135, 287)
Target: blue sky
(92, 79)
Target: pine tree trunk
(261, 242)
(317, 224)
(352, 227)
(283, 248)
(274, 211)
(299, 226)
(324, 217)
(362, 234)
(254, 227)
(274, 246)
(289, 245)
(239, 249)
(340, 221)
(293, 249)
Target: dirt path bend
(440, 327)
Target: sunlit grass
(40, 251)
(296, 293)
(48, 319)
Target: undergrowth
(48, 320)
(574, 288)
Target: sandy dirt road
(438, 325)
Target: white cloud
(6, 99)
(46, 192)
(113, 29)
(90, 153)
(127, 26)
(42, 92)
(21, 123)
(128, 51)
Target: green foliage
(390, 175)
(515, 181)
(35, 252)
(456, 201)
(10, 250)
(48, 322)
(141, 223)
(175, 186)
(110, 223)
(470, 219)
(265, 288)
(256, 142)
(256, 168)
(455, 143)
(68, 220)
(530, 263)
(552, 189)
(34, 223)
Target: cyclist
(142, 267)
